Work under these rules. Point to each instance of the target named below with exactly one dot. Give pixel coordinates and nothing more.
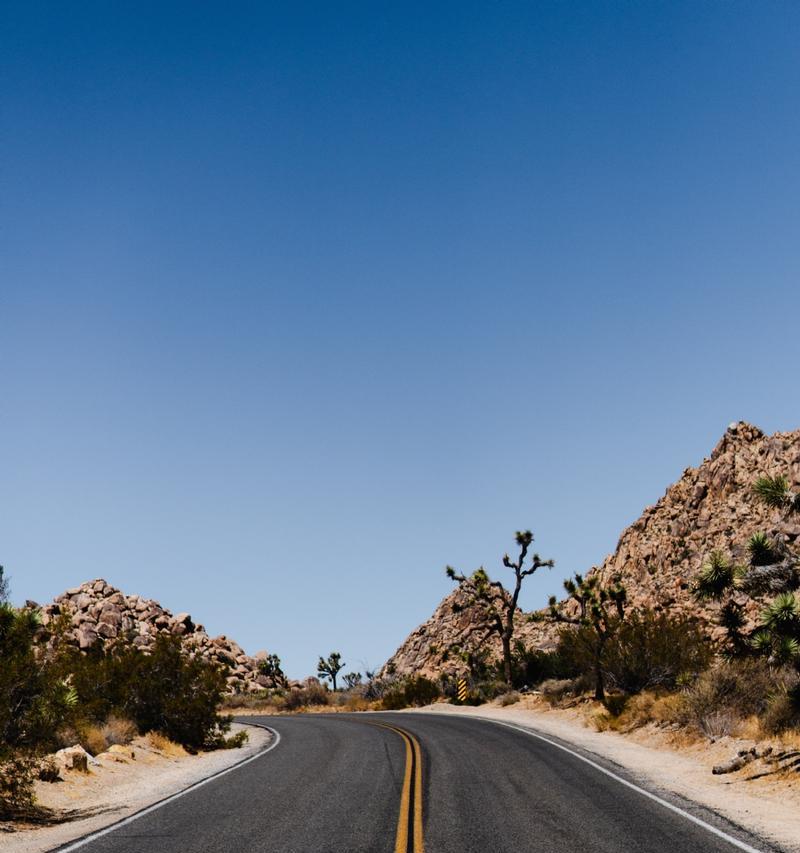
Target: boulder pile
(96, 612)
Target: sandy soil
(119, 786)
(769, 806)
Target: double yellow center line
(409, 822)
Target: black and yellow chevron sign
(462, 689)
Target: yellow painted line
(418, 845)
(412, 782)
(401, 839)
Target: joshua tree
(352, 679)
(497, 605)
(271, 667)
(331, 667)
(601, 612)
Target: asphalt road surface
(404, 783)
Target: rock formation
(98, 612)
(660, 555)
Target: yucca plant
(775, 493)
(782, 616)
(762, 550)
(778, 635)
(717, 577)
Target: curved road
(401, 783)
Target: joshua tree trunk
(507, 658)
(599, 681)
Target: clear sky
(301, 302)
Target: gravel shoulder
(767, 806)
(115, 789)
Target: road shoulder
(114, 791)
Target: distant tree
(496, 605)
(3, 586)
(271, 667)
(329, 668)
(601, 611)
(352, 679)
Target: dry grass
(92, 740)
(161, 743)
(97, 738)
(118, 730)
(312, 699)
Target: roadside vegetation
(644, 666)
(52, 697)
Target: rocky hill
(660, 555)
(97, 612)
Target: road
(401, 783)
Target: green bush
(17, 797)
(530, 667)
(304, 697)
(557, 690)
(654, 650)
(33, 699)
(166, 691)
(417, 691)
(649, 650)
(177, 695)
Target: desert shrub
(646, 707)
(530, 667)
(17, 797)
(725, 694)
(557, 690)
(616, 703)
(653, 650)
(416, 691)
(783, 706)
(353, 701)
(649, 650)
(509, 698)
(165, 690)
(33, 699)
(313, 694)
(168, 691)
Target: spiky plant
(775, 493)
(596, 613)
(762, 550)
(782, 616)
(717, 577)
(494, 604)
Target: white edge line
(87, 839)
(660, 800)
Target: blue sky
(301, 303)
